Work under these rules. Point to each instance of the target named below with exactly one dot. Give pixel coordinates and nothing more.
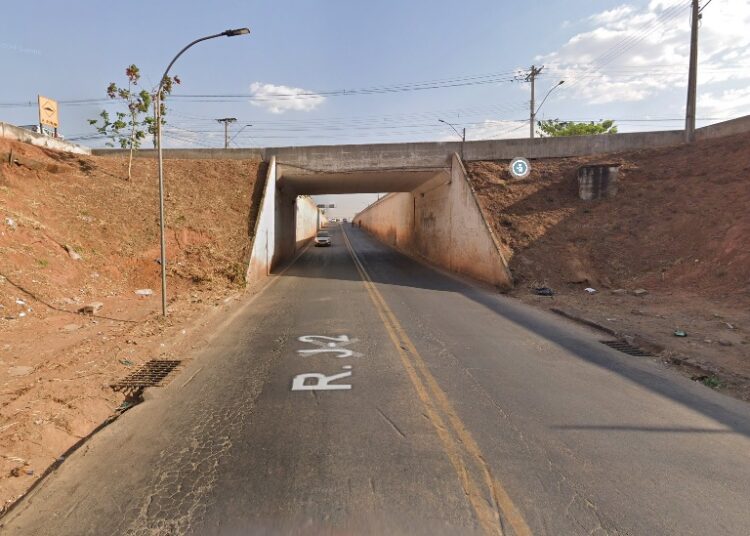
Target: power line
(457, 115)
(704, 6)
(626, 44)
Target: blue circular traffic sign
(520, 168)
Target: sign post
(48, 114)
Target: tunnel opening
(299, 190)
(427, 212)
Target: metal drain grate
(151, 374)
(626, 348)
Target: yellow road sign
(48, 112)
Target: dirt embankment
(679, 228)
(74, 231)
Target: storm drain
(151, 374)
(626, 348)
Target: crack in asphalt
(180, 493)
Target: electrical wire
(628, 43)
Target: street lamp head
(237, 31)
(561, 82)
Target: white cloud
(727, 103)
(612, 15)
(629, 53)
(280, 99)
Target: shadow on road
(386, 266)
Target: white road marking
(309, 339)
(342, 352)
(322, 382)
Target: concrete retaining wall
(307, 220)
(740, 125)
(283, 225)
(441, 222)
(262, 251)
(190, 154)
(570, 145)
(15, 133)
(391, 219)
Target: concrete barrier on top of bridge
(341, 158)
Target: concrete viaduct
(431, 212)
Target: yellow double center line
(462, 450)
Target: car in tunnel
(323, 238)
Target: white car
(323, 238)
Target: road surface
(365, 393)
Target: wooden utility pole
(531, 77)
(692, 75)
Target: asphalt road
(365, 393)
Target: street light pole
(162, 230)
(462, 136)
(239, 132)
(561, 82)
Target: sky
(331, 71)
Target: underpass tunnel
(293, 217)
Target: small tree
(130, 128)
(554, 128)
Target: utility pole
(692, 75)
(226, 121)
(531, 77)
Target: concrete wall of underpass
(307, 220)
(262, 250)
(441, 222)
(296, 223)
(391, 219)
(285, 223)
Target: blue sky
(622, 60)
(304, 44)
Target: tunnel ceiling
(354, 182)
